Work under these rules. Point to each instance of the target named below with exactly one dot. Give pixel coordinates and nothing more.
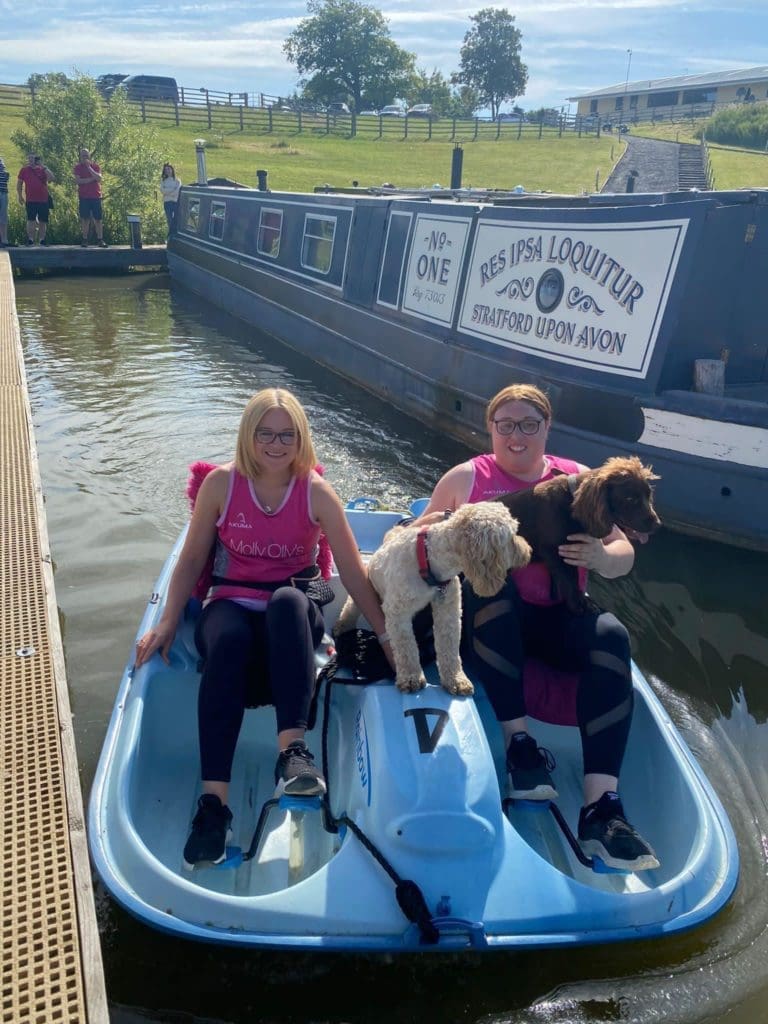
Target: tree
(432, 89)
(346, 50)
(68, 116)
(490, 58)
(464, 102)
(52, 77)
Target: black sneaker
(29, 241)
(529, 767)
(207, 843)
(604, 832)
(43, 241)
(103, 244)
(83, 245)
(295, 772)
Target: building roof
(714, 78)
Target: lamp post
(629, 61)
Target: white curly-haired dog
(416, 566)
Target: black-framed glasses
(529, 426)
(264, 436)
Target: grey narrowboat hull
(435, 306)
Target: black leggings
(501, 631)
(251, 659)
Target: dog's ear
(487, 551)
(590, 504)
(520, 554)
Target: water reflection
(129, 383)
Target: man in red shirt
(33, 179)
(88, 177)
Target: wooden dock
(51, 967)
(118, 259)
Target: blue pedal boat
(415, 847)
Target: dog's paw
(410, 684)
(461, 686)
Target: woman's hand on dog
(583, 551)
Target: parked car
(623, 128)
(509, 115)
(150, 87)
(338, 108)
(421, 110)
(106, 84)
(368, 113)
(392, 110)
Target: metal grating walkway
(51, 967)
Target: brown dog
(616, 493)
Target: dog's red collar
(422, 554)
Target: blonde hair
(519, 393)
(304, 460)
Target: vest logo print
(240, 523)
(273, 550)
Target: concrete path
(655, 162)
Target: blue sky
(570, 46)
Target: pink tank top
(489, 481)
(252, 544)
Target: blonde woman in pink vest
(524, 619)
(264, 512)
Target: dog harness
(422, 555)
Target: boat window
(395, 248)
(193, 215)
(216, 222)
(317, 244)
(270, 227)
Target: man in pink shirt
(87, 174)
(33, 179)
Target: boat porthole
(725, 492)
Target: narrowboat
(643, 316)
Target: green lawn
(301, 161)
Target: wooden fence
(229, 112)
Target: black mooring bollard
(631, 181)
(262, 179)
(134, 227)
(457, 159)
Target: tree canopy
(344, 51)
(490, 58)
(69, 115)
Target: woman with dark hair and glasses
(263, 513)
(526, 619)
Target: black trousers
(252, 659)
(500, 632)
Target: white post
(202, 174)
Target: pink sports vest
(489, 481)
(252, 544)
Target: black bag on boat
(359, 651)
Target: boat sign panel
(434, 267)
(591, 296)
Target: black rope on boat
(409, 896)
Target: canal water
(130, 381)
